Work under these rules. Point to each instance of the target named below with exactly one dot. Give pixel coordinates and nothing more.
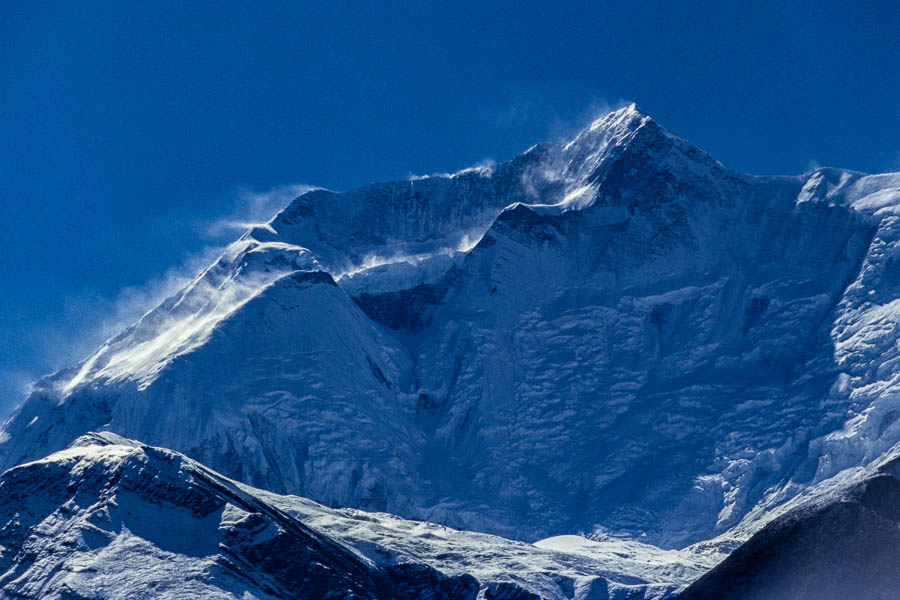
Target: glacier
(616, 337)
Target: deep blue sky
(125, 126)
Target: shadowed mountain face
(845, 544)
(616, 335)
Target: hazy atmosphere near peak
(137, 139)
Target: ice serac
(651, 362)
(111, 517)
(615, 336)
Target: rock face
(844, 544)
(114, 518)
(618, 335)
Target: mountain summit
(615, 336)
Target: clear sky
(127, 128)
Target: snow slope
(113, 518)
(617, 336)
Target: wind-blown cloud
(250, 208)
(88, 318)
(16, 383)
(253, 207)
(556, 114)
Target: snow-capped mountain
(113, 518)
(615, 336)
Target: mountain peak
(616, 128)
(629, 117)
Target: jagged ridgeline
(617, 336)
